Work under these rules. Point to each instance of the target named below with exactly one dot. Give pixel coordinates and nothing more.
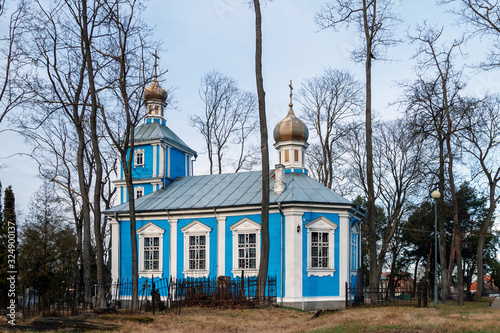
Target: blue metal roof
(156, 131)
(232, 189)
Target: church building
(209, 225)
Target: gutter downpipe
(281, 257)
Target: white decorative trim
(168, 161)
(138, 189)
(137, 151)
(150, 230)
(173, 248)
(155, 158)
(324, 225)
(245, 226)
(354, 232)
(196, 228)
(115, 249)
(162, 161)
(125, 192)
(344, 252)
(221, 245)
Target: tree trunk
(456, 229)
(97, 156)
(482, 236)
(372, 237)
(415, 271)
(85, 216)
(264, 255)
(127, 160)
(442, 240)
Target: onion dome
(155, 91)
(290, 128)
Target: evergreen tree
(48, 247)
(7, 218)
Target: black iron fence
(155, 294)
(386, 296)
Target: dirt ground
(474, 317)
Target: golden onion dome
(155, 91)
(290, 128)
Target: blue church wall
(145, 171)
(274, 245)
(177, 163)
(353, 281)
(126, 250)
(210, 222)
(314, 286)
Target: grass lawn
(473, 317)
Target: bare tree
(264, 254)
(440, 58)
(229, 118)
(127, 50)
(328, 101)
(11, 91)
(422, 102)
(55, 47)
(398, 177)
(482, 141)
(484, 17)
(375, 22)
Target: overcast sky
(199, 36)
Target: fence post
(153, 293)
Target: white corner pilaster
(221, 245)
(186, 163)
(115, 250)
(155, 158)
(173, 248)
(293, 255)
(168, 162)
(162, 161)
(343, 252)
(124, 195)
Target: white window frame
(138, 189)
(136, 153)
(245, 226)
(355, 232)
(323, 225)
(196, 228)
(150, 230)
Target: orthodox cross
(145, 286)
(291, 93)
(156, 63)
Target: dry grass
(474, 317)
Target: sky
(200, 36)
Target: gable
(321, 222)
(150, 228)
(245, 224)
(196, 226)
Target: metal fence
(386, 297)
(155, 294)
